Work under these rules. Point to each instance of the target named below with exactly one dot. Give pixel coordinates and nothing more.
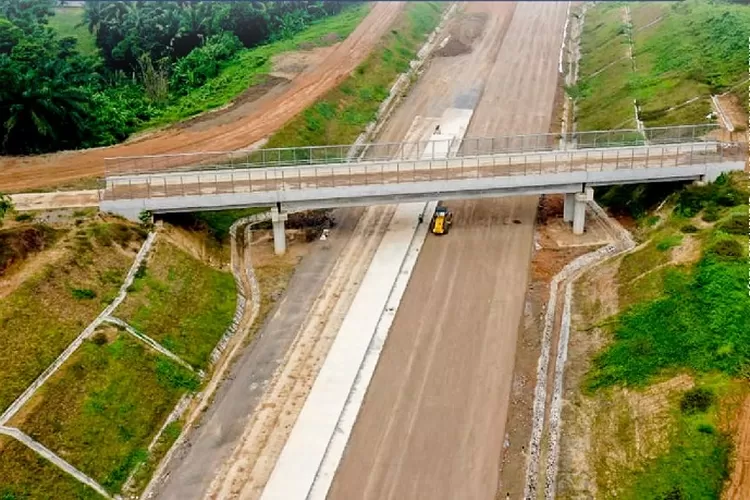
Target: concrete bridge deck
(372, 182)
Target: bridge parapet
(431, 149)
(640, 161)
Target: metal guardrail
(249, 180)
(468, 147)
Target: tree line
(52, 97)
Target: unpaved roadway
(24, 173)
(433, 422)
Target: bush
(706, 429)
(24, 217)
(146, 219)
(737, 224)
(83, 293)
(140, 272)
(204, 62)
(696, 400)
(689, 228)
(711, 214)
(727, 248)
(120, 110)
(637, 199)
(674, 494)
(6, 205)
(695, 198)
(99, 338)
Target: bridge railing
(250, 180)
(470, 146)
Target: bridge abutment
(579, 209)
(278, 219)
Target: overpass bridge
(309, 178)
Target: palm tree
(196, 24)
(43, 108)
(99, 14)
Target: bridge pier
(569, 206)
(579, 209)
(279, 237)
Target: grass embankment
(103, 407)
(697, 460)
(69, 21)
(342, 114)
(682, 315)
(694, 50)
(26, 475)
(181, 303)
(46, 312)
(604, 97)
(251, 67)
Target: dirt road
(21, 173)
(433, 422)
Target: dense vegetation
(148, 54)
(702, 322)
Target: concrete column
(579, 210)
(279, 238)
(570, 200)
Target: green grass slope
(682, 51)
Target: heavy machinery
(441, 220)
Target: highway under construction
(397, 379)
(386, 370)
(431, 421)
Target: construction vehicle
(441, 220)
